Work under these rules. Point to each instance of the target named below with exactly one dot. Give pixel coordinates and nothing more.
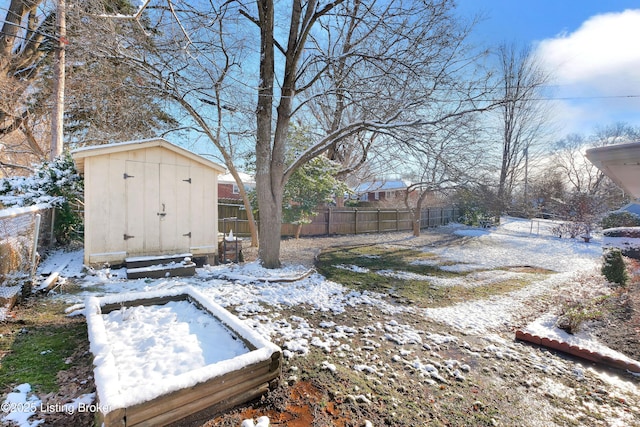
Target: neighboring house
(147, 197)
(228, 188)
(633, 207)
(381, 191)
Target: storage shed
(145, 198)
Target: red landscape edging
(630, 365)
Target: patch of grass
(380, 257)
(37, 345)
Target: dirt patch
(301, 405)
(403, 370)
(619, 328)
(74, 382)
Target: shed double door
(157, 208)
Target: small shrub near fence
(340, 221)
(569, 229)
(614, 268)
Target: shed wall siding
(109, 215)
(104, 208)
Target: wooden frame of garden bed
(227, 386)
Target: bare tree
(349, 70)
(406, 70)
(101, 104)
(182, 54)
(522, 115)
(569, 157)
(24, 46)
(107, 100)
(438, 162)
(57, 119)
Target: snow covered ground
(515, 243)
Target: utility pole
(526, 179)
(57, 119)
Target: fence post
(329, 210)
(34, 246)
(397, 221)
(379, 220)
(355, 221)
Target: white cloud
(597, 70)
(604, 48)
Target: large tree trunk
(271, 150)
(268, 182)
(270, 227)
(416, 222)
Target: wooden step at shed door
(155, 267)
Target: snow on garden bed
(150, 347)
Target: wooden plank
(201, 417)
(145, 261)
(49, 283)
(219, 385)
(113, 418)
(161, 271)
(182, 403)
(107, 308)
(211, 404)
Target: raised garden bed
(168, 356)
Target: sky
(589, 46)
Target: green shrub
(620, 219)
(55, 183)
(614, 268)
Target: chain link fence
(22, 232)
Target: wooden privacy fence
(330, 221)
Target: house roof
(227, 178)
(621, 163)
(633, 207)
(367, 187)
(98, 150)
